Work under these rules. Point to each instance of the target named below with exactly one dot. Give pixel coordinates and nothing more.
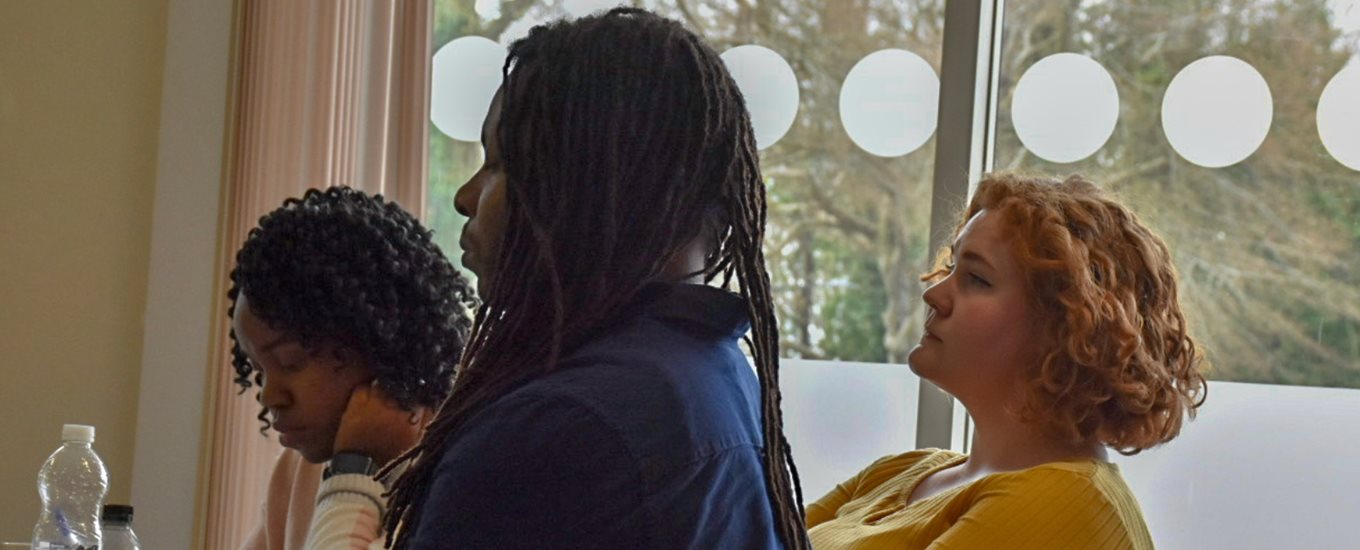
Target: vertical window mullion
(965, 140)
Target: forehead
(493, 117)
(982, 233)
(985, 235)
(251, 330)
(241, 316)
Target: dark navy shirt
(646, 437)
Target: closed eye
(972, 277)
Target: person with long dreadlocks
(603, 400)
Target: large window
(843, 100)
(1205, 116)
(1231, 126)
(1209, 117)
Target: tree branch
(511, 11)
(846, 222)
(804, 352)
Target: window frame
(964, 150)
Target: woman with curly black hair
(350, 321)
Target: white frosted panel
(841, 416)
(1217, 111)
(889, 102)
(1065, 107)
(769, 87)
(1263, 467)
(466, 75)
(1338, 117)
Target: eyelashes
(972, 277)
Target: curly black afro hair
(339, 266)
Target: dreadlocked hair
(623, 139)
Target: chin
(914, 362)
(925, 368)
(315, 456)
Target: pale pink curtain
(327, 92)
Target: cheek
(998, 336)
(493, 212)
(329, 392)
(488, 228)
(1017, 345)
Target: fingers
(370, 398)
(376, 425)
(360, 394)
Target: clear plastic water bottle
(72, 485)
(117, 523)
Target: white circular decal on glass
(769, 87)
(466, 73)
(890, 102)
(1217, 111)
(1338, 117)
(1065, 107)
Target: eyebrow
(281, 340)
(970, 256)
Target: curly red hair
(1117, 363)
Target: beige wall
(182, 315)
(80, 90)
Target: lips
(288, 435)
(466, 259)
(281, 426)
(926, 331)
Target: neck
(1003, 443)
(687, 265)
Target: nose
(273, 395)
(937, 297)
(465, 201)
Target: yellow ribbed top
(1080, 504)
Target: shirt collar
(709, 307)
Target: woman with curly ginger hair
(1054, 319)
(350, 321)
